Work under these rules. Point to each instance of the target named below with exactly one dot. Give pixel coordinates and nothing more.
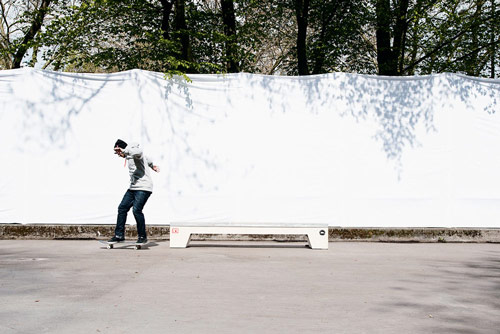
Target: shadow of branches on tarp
(176, 113)
(397, 105)
(467, 89)
(54, 101)
(50, 112)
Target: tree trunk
(327, 14)
(492, 40)
(415, 39)
(302, 12)
(319, 55)
(387, 63)
(471, 62)
(34, 56)
(398, 47)
(181, 29)
(229, 20)
(166, 10)
(35, 27)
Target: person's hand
(156, 169)
(119, 151)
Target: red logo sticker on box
(175, 230)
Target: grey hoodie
(140, 177)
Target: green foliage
(115, 35)
(449, 36)
(335, 41)
(111, 34)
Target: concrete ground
(79, 287)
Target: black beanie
(121, 144)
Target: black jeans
(136, 199)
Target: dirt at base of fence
(162, 232)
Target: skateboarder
(141, 187)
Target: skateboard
(110, 245)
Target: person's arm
(152, 165)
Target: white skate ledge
(180, 233)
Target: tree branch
(444, 44)
(4, 17)
(30, 34)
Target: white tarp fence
(343, 149)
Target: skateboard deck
(110, 245)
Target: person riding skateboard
(141, 187)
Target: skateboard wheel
(137, 247)
(109, 247)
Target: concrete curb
(162, 232)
